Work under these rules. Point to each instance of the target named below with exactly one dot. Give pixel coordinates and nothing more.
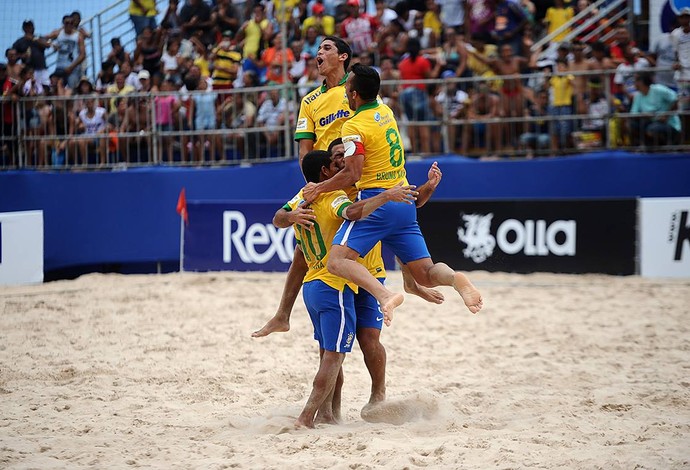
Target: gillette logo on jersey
(324, 121)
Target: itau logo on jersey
(512, 236)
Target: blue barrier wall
(129, 216)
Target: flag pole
(181, 244)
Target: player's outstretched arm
(281, 320)
(427, 189)
(363, 208)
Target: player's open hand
(310, 192)
(303, 216)
(400, 193)
(434, 175)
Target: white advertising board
(21, 247)
(665, 237)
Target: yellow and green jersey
(373, 131)
(316, 240)
(321, 115)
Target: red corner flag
(182, 206)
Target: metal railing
(150, 129)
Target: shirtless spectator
(13, 64)
(484, 105)
(579, 64)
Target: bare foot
(389, 305)
(426, 293)
(299, 424)
(470, 295)
(325, 419)
(274, 325)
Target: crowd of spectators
(188, 66)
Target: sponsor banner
(238, 236)
(21, 247)
(665, 237)
(564, 236)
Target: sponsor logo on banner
(257, 243)
(564, 236)
(513, 236)
(665, 237)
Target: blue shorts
(368, 310)
(333, 315)
(394, 224)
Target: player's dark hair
(366, 81)
(335, 142)
(342, 47)
(312, 164)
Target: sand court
(160, 371)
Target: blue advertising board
(236, 236)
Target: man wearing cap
(325, 24)
(31, 50)
(144, 77)
(359, 28)
(680, 38)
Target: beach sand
(160, 371)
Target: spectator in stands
(598, 107)
(171, 20)
(204, 112)
(196, 20)
(358, 29)
(389, 92)
(432, 18)
(277, 60)
(118, 54)
(238, 114)
(131, 77)
(454, 54)
(680, 37)
(226, 63)
(414, 98)
(145, 82)
(576, 66)
(561, 84)
(599, 59)
(13, 64)
(484, 106)
(106, 77)
(120, 87)
(509, 23)
(452, 14)
(226, 18)
(31, 50)
(663, 55)
(76, 17)
(71, 52)
(149, 50)
(137, 122)
(427, 38)
(169, 63)
(661, 129)
(480, 19)
(92, 125)
(588, 34)
(272, 114)
(142, 13)
(166, 105)
(115, 120)
(537, 136)
(384, 15)
(8, 132)
(557, 17)
(624, 80)
(309, 80)
(255, 32)
(323, 23)
(312, 40)
(621, 40)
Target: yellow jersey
(374, 130)
(317, 240)
(148, 8)
(321, 115)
